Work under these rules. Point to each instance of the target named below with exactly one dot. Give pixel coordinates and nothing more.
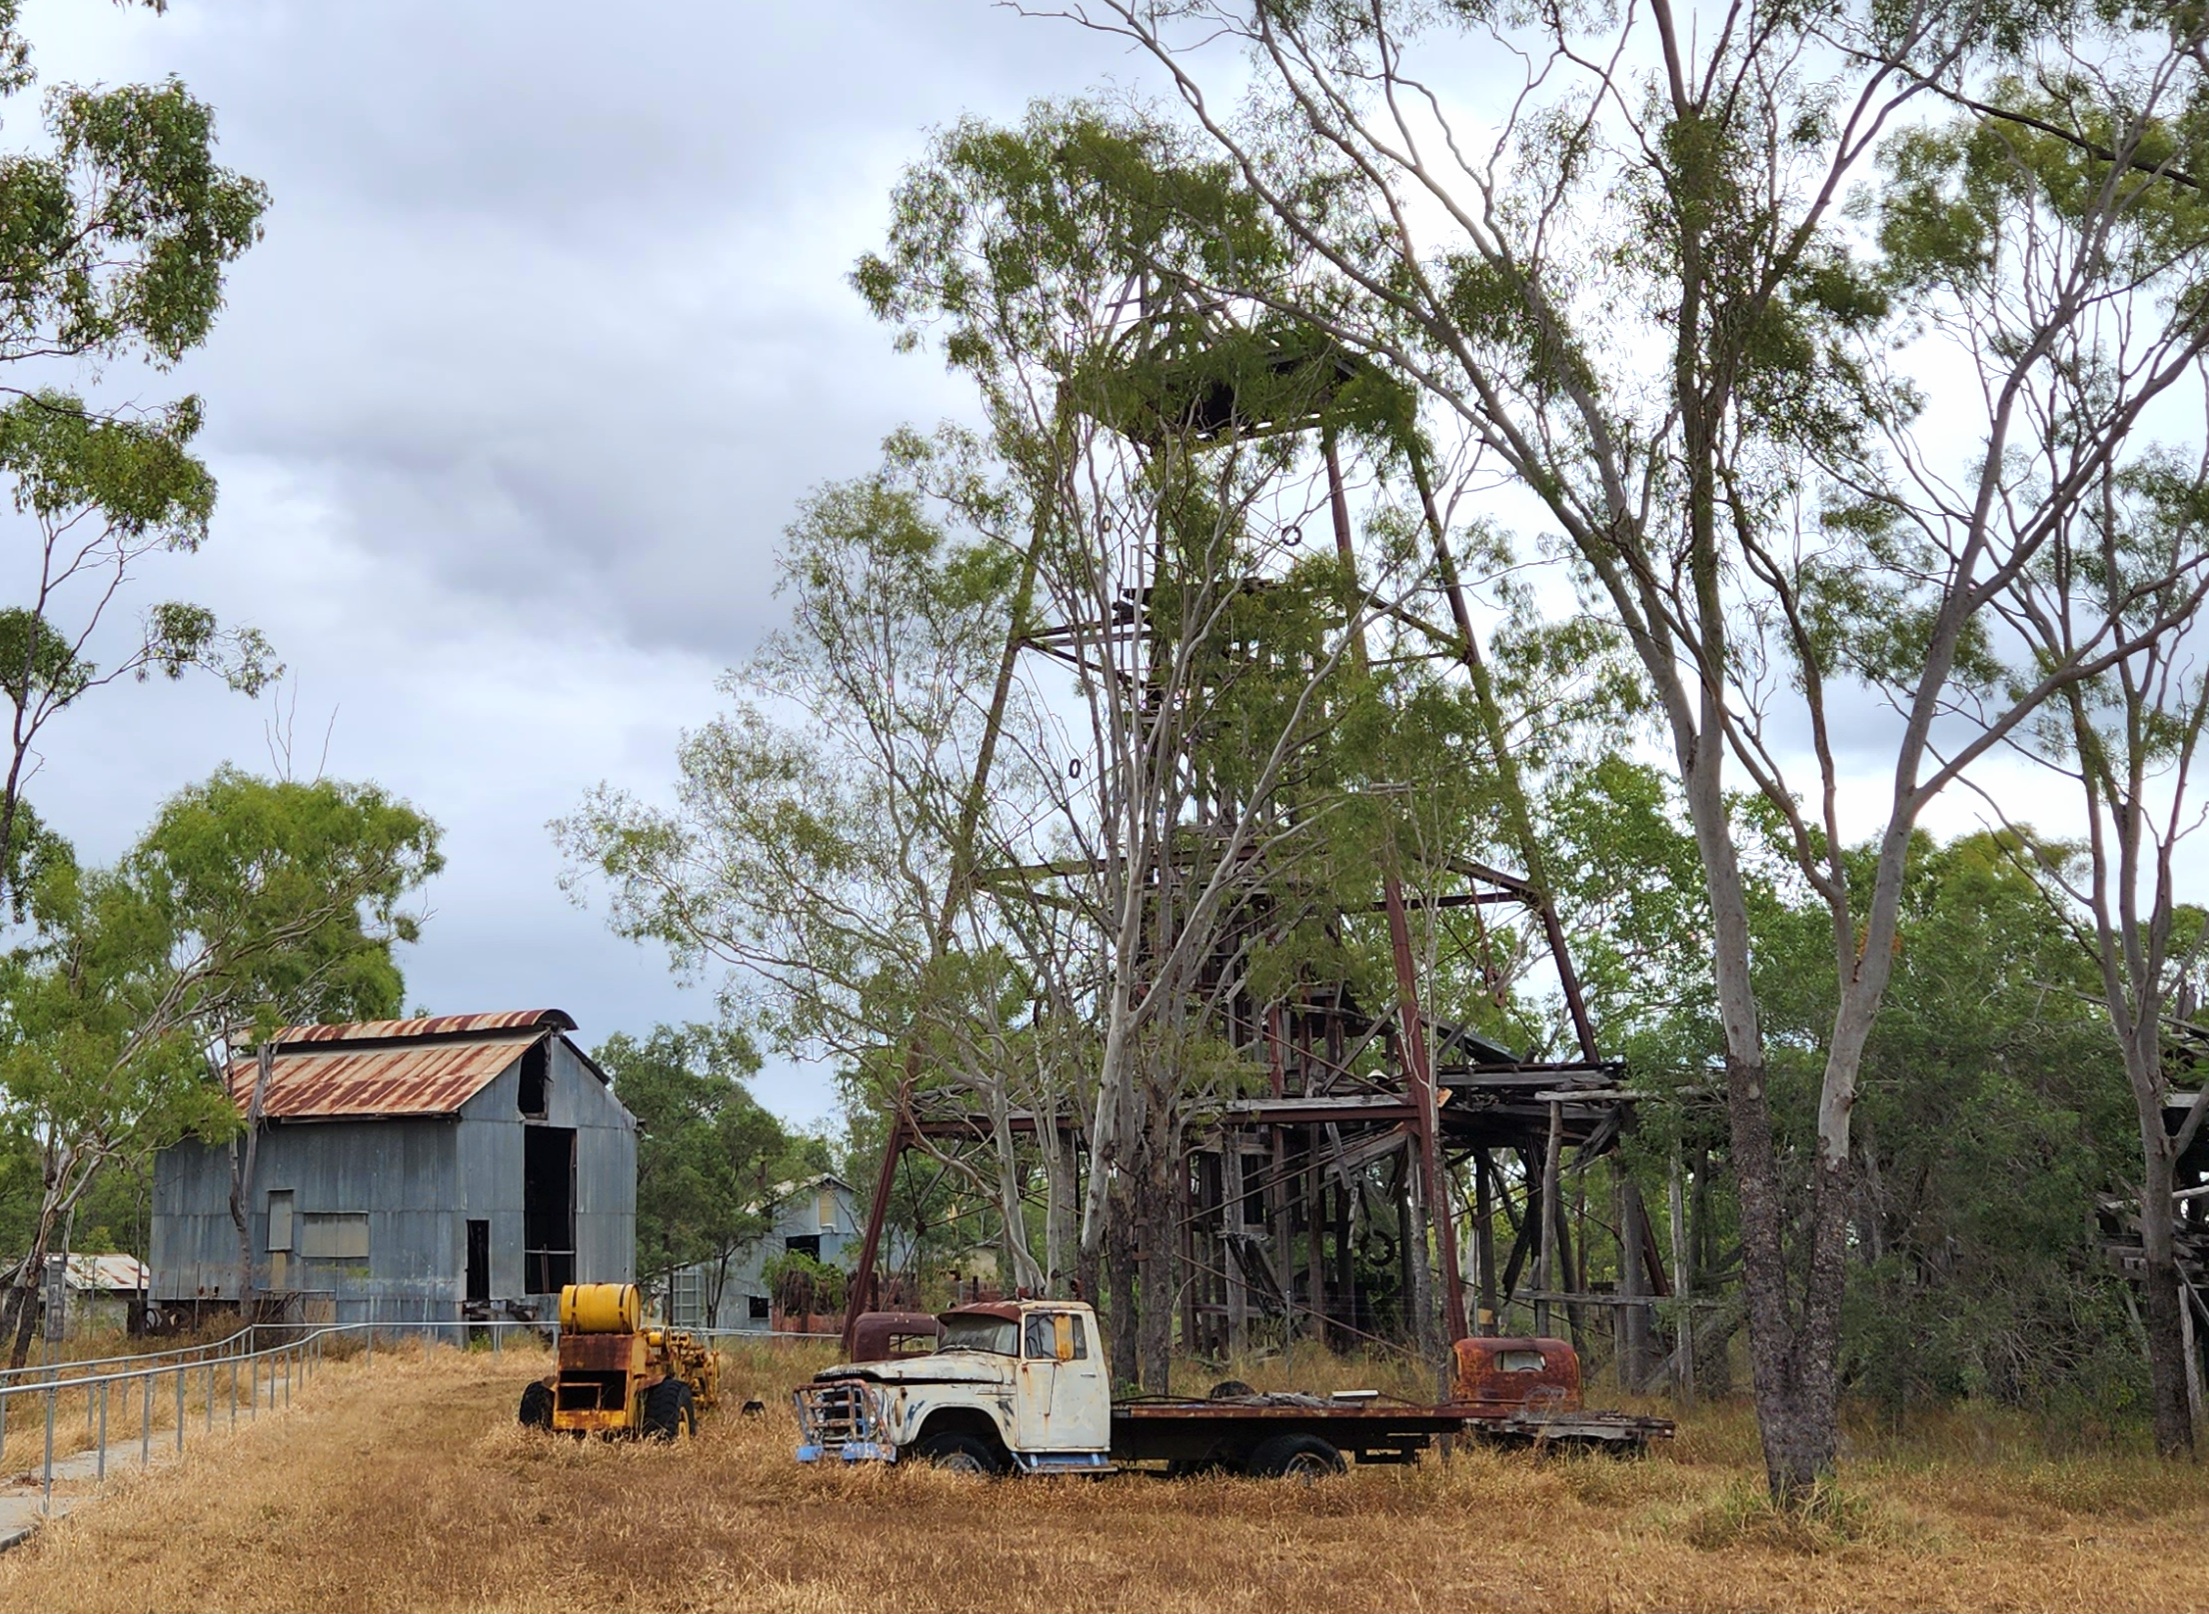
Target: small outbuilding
(818, 1216)
(409, 1170)
(93, 1294)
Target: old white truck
(1022, 1386)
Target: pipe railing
(40, 1372)
(227, 1374)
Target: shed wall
(400, 1173)
(605, 1171)
(419, 1181)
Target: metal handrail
(300, 1356)
(41, 1371)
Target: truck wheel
(1302, 1457)
(669, 1410)
(1230, 1390)
(537, 1405)
(960, 1454)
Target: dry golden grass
(407, 1486)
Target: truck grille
(835, 1415)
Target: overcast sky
(548, 335)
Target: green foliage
(295, 895)
(802, 1286)
(1006, 236)
(248, 903)
(707, 1152)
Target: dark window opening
(479, 1260)
(804, 1244)
(535, 1080)
(758, 1307)
(548, 1208)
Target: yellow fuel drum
(599, 1308)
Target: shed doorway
(548, 1207)
(479, 1260)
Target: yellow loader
(619, 1377)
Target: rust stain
(440, 1025)
(435, 1079)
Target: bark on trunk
(25, 1304)
(2160, 1303)
(1793, 1358)
(1119, 1254)
(29, 1288)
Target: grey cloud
(548, 335)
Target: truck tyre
(960, 1454)
(1230, 1390)
(669, 1410)
(1302, 1457)
(537, 1405)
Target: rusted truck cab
(1526, 1392)
(1502, 1376)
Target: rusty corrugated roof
(439, 1025)
(434, 1078)
(106, 1272)
(429, 1066)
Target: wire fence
(158, 1398)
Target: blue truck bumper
(851, 1451)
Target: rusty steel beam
(860, 1295)
(1418, 1072)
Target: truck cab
(1016, 1384)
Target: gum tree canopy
(1801, 333)
(248, 903)
(116, 232)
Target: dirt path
(406, 1486)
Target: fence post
(180, 1408)
(145, 1422)
(210, 1395)
(53, 1391)
(100, 1463)
(233, 1392)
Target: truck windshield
(992, 1334)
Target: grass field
(407, 1486)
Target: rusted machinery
(1526, 1392)
(619, 1377)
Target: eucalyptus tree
(1165, 452)
(2128, 741)
(821, 824)
(245, 905)
(120, 228)
(1794, 396)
